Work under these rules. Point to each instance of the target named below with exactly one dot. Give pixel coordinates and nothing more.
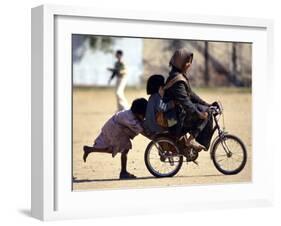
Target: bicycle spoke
(223, 155)
(222, 160)
(228, 163)
(240, 154)
(237, 160)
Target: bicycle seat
(162, 134)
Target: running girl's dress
(117, 132)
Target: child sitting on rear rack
(156, 108)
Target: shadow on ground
(74, 180)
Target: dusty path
(92, 107)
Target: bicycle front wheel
(229, 155)
(162, 158)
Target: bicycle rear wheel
(229, 155)
(162, 158)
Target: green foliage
(101, 43)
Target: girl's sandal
(126, 175)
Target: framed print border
(46, 186)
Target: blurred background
(223, 64)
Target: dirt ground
(92, 107)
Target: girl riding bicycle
(192, 110)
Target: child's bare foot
(87, 151)
(114, 153)
(126, 175)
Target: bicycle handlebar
(216, 110)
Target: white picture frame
(52, 197)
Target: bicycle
(164, 157)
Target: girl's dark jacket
(188, 104)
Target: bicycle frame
(221, 135)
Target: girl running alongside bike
(117, 133)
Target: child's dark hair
(153, 84)
(139, 106)
(119, 52)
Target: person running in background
(119, 71)
(117, 133)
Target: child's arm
(113, 75)
(195, 98)
(146, 131)
(181, 96)
(133, 125)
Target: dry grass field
(92, 107)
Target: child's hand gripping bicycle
(164, 156)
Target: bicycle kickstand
(196, 163)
